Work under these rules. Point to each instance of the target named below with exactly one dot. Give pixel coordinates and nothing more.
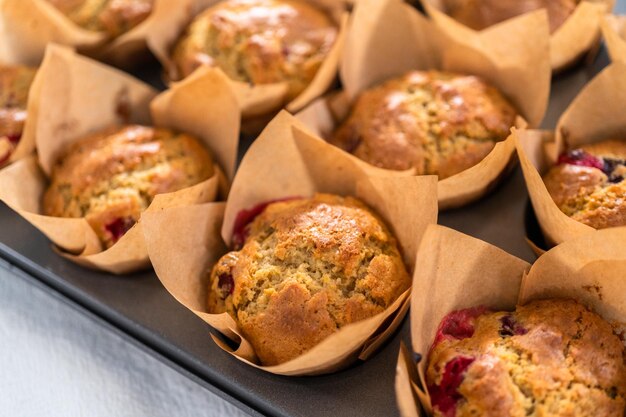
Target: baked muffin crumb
(588, 184)
(308, 267)
(111, 177)
(433, 122)
(113, 17)
(480, 14)
(258, 42)
(548, 358)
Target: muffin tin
(139, 306)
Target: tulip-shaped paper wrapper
(455, 271)
(387, 38)
(287, 161)
(76, 97)
(30, 25)
(572, 40)
(259, 101)
(596, 114)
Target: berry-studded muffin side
(549, 358)
(588, 184)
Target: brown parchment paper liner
(597, 113)
(456, 271)
(258, 102)
(32, 24)
(79, 96)
(614, 34)
(185, 242)
(387, 38)
(578, 34)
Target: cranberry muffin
(109, 178)
(258, 42)
(588, 184)
(307, 268)
(15, 83)
(433, 122)
(548, 358)
(113, 17)
(480, 14)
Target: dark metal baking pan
(140, 307)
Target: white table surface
(56, 361)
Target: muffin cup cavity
(388, 38)
(185, 242)
(456, 272)
(260, 102)
(31, 25)
(77, 97)
(579, 125)
(577, 36)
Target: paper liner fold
(387, 38)
(455, 271)
(259, 102)
(577, 36)
(31, 25)
(595, 114)
(185, 242)
(614, 34)
(78, 97)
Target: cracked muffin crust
(307, 268)
(258, 42)
(480, 14)
(588, 184)
(113, 17)
(111, 177)
(433, 122)
(15, 83)
(550, 358)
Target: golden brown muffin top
(308, 267)
(434, 122)
(15, 83)
(114, 17)
(112, 176)
(588, 184)
(258, 42)
(480, 14)
(548, 358)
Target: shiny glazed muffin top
(551, 358)
(258, 42)
(588, 184)
(308, 267)
(15, 84)
(111, 177)
(433, 122)
(114, 17)
(480, 14)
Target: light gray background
(55, 361)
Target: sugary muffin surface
(114, 17)
(480, 14)
(308, 267)
(111, 177)
(588, 184)
(433, 122)
(551, 358)
(15, 83)
(258, 42)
